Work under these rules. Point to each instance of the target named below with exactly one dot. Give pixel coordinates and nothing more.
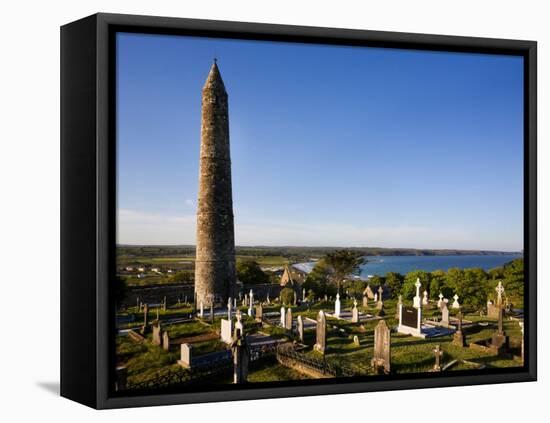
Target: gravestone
(295, 298)
(121, 381)
(234, 303)
(158, 315)
(375, 298)
(381, 361)
(239, 349)
(355, 313)
(251, 304)
(283, 317)
(399, 304)
(288, 321)
(356, 341)
(186, 355)
(425, 298)
(268, 300)
(212, 312)
(229, 309)
(165, 341)
(239, 327)
(444, 315)
(259, 312)
(201, 309)
(417, 303)
(410, 321)
(500, 290)
(438, 353)
(521, 325)
(304, 295)
(157, 340)
(380, 303)
(300, 328)
(227, 331)
(458, 337)
(499, 340)
(440, 301)
(337, 306)
(456, 304)
(145, 315)
(321, 333)
(164, 304)
(365, 301)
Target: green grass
(409, 354)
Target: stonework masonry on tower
(215, 277)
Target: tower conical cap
(214, 80)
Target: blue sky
(333, 146)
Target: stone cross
(440, 300)
(337, 306)
(283, 316)
(399, 304)
(295, 299)
(300, 328)
(304, 294)
(416, 299)
(500, 290)
(158, 316)
(321, 333)
(164, 304)
(458, 337)
(251, 298)
(375, 298)
(229, 308)
(381, 360)
(438, 353)
(234, 303)
(456, 304)
(380, 292)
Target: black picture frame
(88, 203)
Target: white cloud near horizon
(145, 228)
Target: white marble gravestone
(425, 298)
(456, 304)
(227, 331)
(354, 313)
(440, 301)
(283, 316)
(416, 299)
(337, 306)
(186, 355)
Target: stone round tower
(215, 278)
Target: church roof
(286, 277)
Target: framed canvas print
(254, 211)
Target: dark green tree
(343, 263)
(249, 272)
(394, 281)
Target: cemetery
(252, 339)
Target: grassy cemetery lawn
(408, 354)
